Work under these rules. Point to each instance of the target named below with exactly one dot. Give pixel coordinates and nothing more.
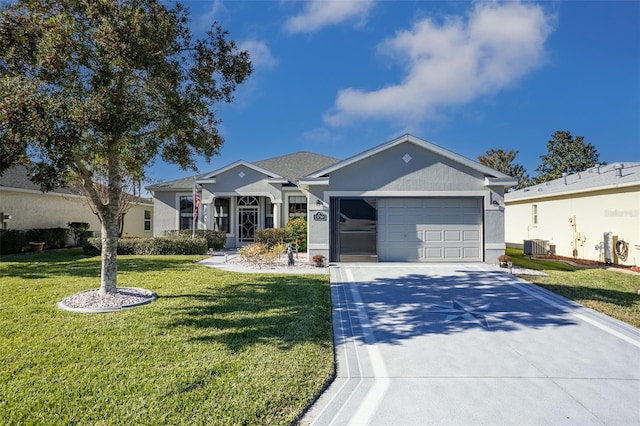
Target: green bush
(296, 232)
(52, 237)
(215, 239)
(78, 229)
(12, 241)
(270, 236)
(149, 246)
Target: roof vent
(564, 176)
(598, 167)
(618, 168)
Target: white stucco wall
(615, 210)
(33, 209)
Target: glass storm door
(247, 218)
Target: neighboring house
(31, 208)
(573, 214)
(405, 200)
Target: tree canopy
(566, 154)
(93, 90)
(502, 161)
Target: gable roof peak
(407, 137)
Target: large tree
(566, 154)
(502, 161)
(91, 91)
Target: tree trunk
(110, 232)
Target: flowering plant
(318, 258)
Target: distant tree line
(565, 154)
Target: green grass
(611, 292)
(216, 348)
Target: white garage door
(429, 229)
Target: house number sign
(320, 217)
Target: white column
(277, 222)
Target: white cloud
(259, 53)
(452, 63)
(322, 13)
(216, 12)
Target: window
(534, 214)
(186, 212)
(298, 206)
(147, 220)
(268, 213)
(221, 214)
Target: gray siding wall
(387, 171)
(251, 181)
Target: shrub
(253, 252)
(12, 241)
(78, 230)
(149, 246)
(215, 239)
(52, 237)
(296, 232)
(270, 236)
(259, 253)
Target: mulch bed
(586, 262)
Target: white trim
(537, 195)
(317, 246)
(62, 194)
(495, 246)
(404, 194)
(201, 181)
(213, 174)
(420, 143)
(500, 181)
(245, 194)
(310, 181)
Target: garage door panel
(430, 229)
(471, 252)
(471, 235)
(452, 236)
(452, 253)
(431, 236)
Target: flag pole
(195, 209)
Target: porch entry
(247, 218)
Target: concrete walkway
(470, 344)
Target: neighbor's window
(186, 212)
(534, 214)
(221, 214)
(298, 206)
(147, 220)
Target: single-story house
(572, 214)
(404, 200)
(29, 208)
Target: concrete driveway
(469, 344)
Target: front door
(247, 219)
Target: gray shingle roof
(17, 177)
(603, 177)
(291, 167)
(297, 165)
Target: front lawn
(611, 292)
(215, 348)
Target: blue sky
(340, 77)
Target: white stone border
(152, 297)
